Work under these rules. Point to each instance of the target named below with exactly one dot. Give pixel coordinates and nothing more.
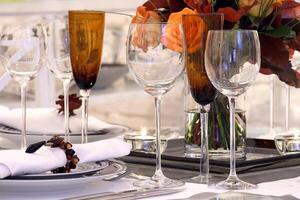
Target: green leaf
(269, 28)
(281, 32)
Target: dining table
(278, 179)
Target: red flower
(230, 14)
(290, 9)
(201, 6)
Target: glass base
(194, 151)
(200, 179)
(162, 181)
(234, 183)
(212, 179)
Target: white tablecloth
(277, 188)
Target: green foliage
(283, 31)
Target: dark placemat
(258, 159)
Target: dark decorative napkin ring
(56, 141)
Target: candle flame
(143, 132)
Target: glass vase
(218, 127)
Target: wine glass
(22, 50)
(59, 62)
(86, 30)
(232, 61)
(155, 57)
(203, 92)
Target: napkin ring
(56, 141)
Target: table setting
(216, 49)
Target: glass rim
(75, 16)
(86, 11)
(233, 30)
(147, 23)
(203, 14)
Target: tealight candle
(287, 144)
(144, 141)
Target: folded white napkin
(17, 162)
(47, 120)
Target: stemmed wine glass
(203, 92)
(22, 50)
(86, 30)
(232, 61)
(155, 57)
(59, 62)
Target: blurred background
(116, 98)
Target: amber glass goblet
(86, 30)
(203, 92)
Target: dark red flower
(74, 103)
(290, 9)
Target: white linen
(127, 184)
(275, 188)
(17, 162)
(47, 120)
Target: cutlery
(129, 194)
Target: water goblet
(155, 57)
(232, 61)
(203, 92)
(86, 30)
(59, 62)
(22, 50)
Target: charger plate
(10, 137)
(79, 179)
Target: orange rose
(278, 3)
(144, 16)
(146, 35)
(194, 27)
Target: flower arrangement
(277, 22)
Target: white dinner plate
(81, 170)
(20, 184)
(11, 138)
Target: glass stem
(66, 84)
(158, 172)
(23, 107)
(232, 137)
(84, 120)
(272, 103)
(204, 159)
(287, 109)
